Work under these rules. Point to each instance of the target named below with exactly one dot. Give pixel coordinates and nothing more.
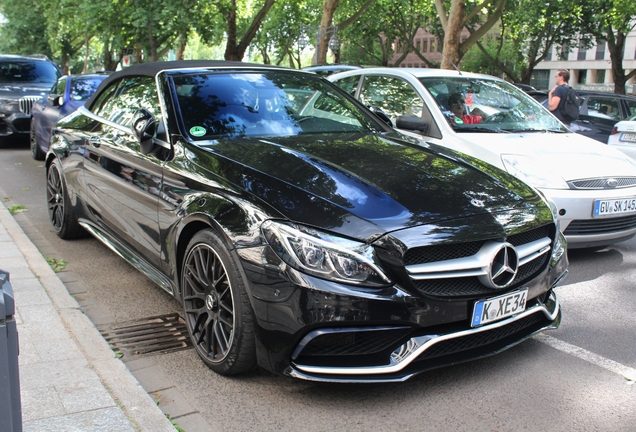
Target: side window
(394, 95)
(349, 84)
(603, 107)
(631, 107)
(120, 105)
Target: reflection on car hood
(367, 178)
(24, 89)
(570, 155)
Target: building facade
(590, 68)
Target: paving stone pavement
(70, 379)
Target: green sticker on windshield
(197, 131)
(458, 120)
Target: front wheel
(216, 306)
(61, 214)
(36, 151)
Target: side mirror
(144, 127)
(55, 99)
(411, 122)
(381, 115)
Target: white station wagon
(592, 185)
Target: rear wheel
(36, 151)
(216, 306)
(61, 214)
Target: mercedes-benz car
(68, 94)
(593, 185)
(298, 231)
(23, 81)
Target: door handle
(95, 141)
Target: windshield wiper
(479, 129)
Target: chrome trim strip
(475, 265)
(425, 342)
(129, 257)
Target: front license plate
(631, 137)
(496, 308)
(613, 207)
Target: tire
(36, 151)
(216, 307)
(61, 214)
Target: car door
(598, 116)
(122, 183)
(50, 112)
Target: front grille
(602, 183)
(528, 324)
(26, 103)
(600, 226)
(463, 286)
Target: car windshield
(484, 105)
(264, 104)
(83, 88)
(25, 72)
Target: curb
(140, 409)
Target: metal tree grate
(158, 334)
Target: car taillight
(614, 130)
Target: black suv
(23, 80)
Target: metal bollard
(10, 403)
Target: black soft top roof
(152, 69)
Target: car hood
(14, 90)
(570, 155)
(391, 184)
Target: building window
(416, 65)
(540, 79)
(600, 50)
(600, 76)
(582, 79)
(425, 45)
(417, 44)
(409, 65)
(548, 57)
(565, 52)
(432, 45)
(582, 51)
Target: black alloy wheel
(217, 310)
(36, 151)
(61, 214)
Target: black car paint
(395, 193)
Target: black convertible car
(300, 232)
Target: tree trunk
(451, 55)
(328, 9)
(182, 41)
(616, 47)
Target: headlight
(528, 169)
(560, 246)
(324, 255)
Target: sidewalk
(70, 379)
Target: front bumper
(583, 230)
(318, 330)
(15, 124)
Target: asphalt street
(579, 377)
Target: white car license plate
(615, 206)
(496, 308)
(631, 137)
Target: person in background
(556, 97)
(457, 106)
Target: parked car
(594, 186)
(623, 137)
(326, 70)
(23, 80)
(600, 111)
(299, 232)
(67, 94)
